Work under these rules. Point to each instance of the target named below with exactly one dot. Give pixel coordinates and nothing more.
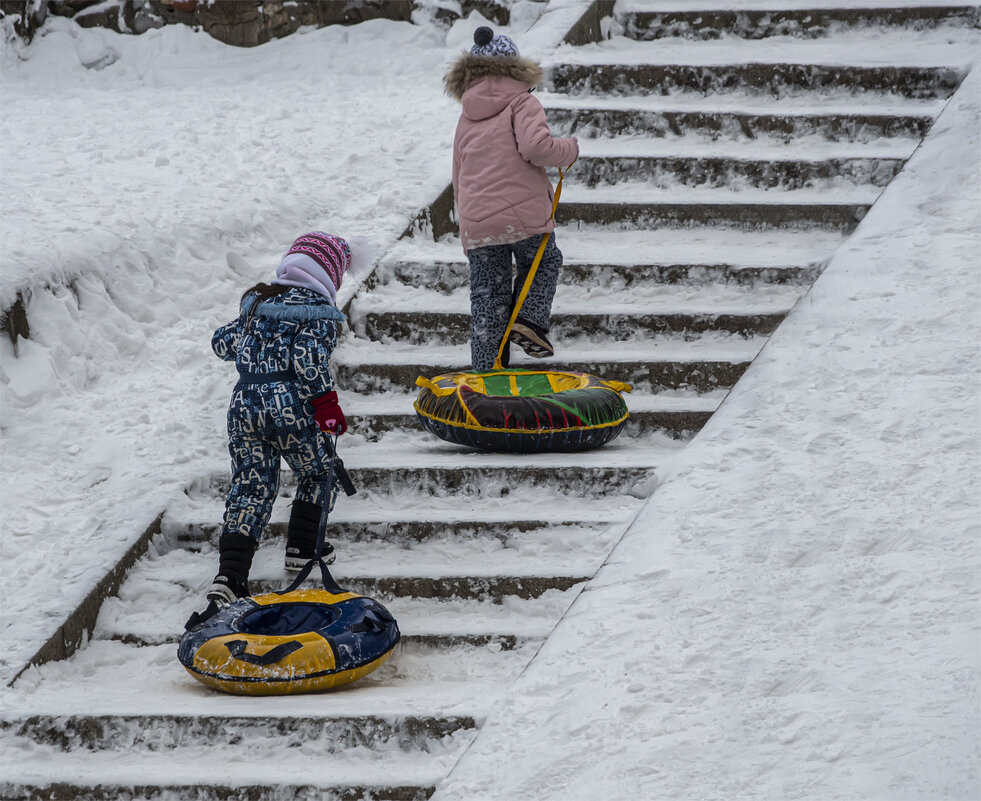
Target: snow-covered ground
(795, 611)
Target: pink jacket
(502, 147)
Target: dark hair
(264, 290)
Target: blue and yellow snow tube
(298, 642)
(522, 411)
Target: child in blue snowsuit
(281, 344)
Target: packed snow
(794, 613)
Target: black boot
(301, 537)
(235, 552)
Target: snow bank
(794, 614)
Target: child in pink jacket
(503, 196)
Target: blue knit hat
(485, 43)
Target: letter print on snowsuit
(492, 293)
(282, 350)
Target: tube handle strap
(236, 648)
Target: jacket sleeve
(535, 141)
(224, 342)
(456, 173)
(312, 347)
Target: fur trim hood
(469, 68)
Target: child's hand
(328, 414)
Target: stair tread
(410, 451)
(392, 403)
(150, 681)
(750, 150)
(128, 615)
(750, 104)
(598, 301)
(697, 245)
(723, 349)
(566, 552)
(946, 47)
(362, 508)
(633, 6)
(240, 766)
(627, 192)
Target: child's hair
(264, 290)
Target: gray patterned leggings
(493, 292)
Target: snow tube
(296, 642)
(522, 411)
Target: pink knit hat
(316, 261)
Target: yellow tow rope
(531, 276)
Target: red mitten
(328, 414)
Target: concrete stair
(725, 155)
(678, 116)
(776, 79)
(812, 21)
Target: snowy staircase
(717, 176)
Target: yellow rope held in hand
(531, 276)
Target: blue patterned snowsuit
(282, 350)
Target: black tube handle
(237, 649)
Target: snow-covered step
(586, 478)
(232, 757)
(793, 78)
(766, 164)
(649, 298)
(151, 681)
(660, 19)
(405, 465)
(420, 327)
(394, 735)
(425, 624)
(406, 517)
(636, 204)
(83, 733)
(152, 777)
(852, 51)
(389, 589)
(746, 104)
(702, 365)
(371, 416)
(735, 171)
(753, 150)
(449, 276)
(440, 569)
(165, 588)
(597, 257)
(417, 316)
(568, 551)
(591, 117)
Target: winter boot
(532, 339)
(235, 552)
(301, 537)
